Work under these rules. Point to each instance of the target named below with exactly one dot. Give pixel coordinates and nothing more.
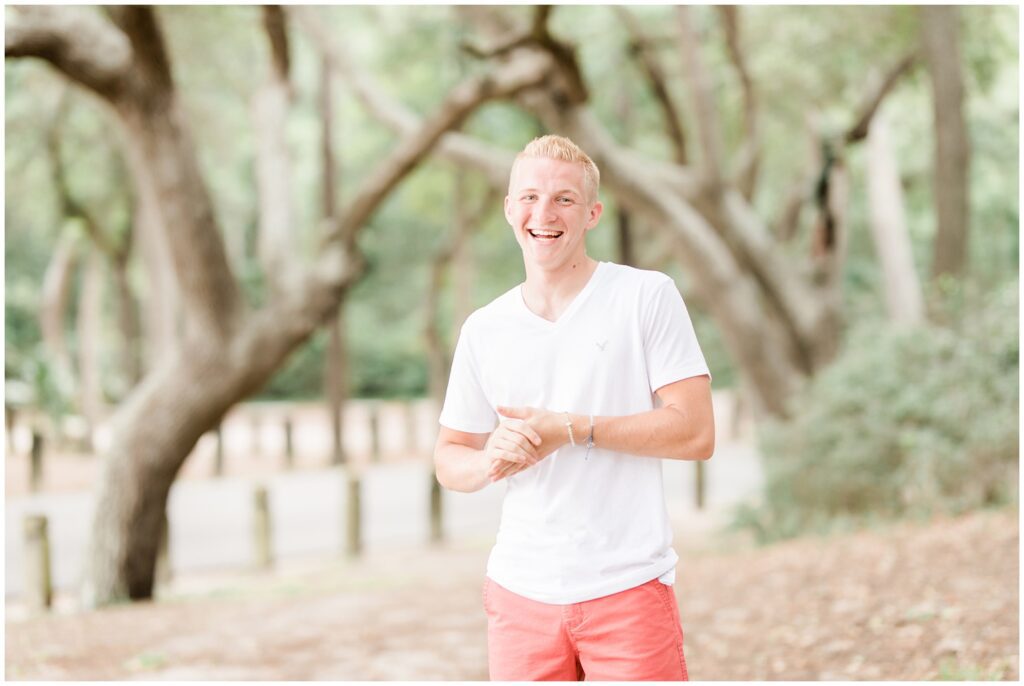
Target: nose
(544, 210)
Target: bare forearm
(664, 432)
(460, 468)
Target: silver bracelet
(568, 425)
(590, 439)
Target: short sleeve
(670, 343)
(466, 407)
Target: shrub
(903, 423)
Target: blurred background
(240, 243)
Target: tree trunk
(336, 380)
(941, 46)
(437, 359)
(90, 330)
(336, 365)
(889, 229)
(53, 310)
(161, 302)
(273, 163)
(462, 263)
(128, 322)
(225, 352)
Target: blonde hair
(554, 147)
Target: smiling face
(549, 212)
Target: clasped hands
(527, 436)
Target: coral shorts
(633, 635)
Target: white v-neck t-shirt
(574, 529)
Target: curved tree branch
(874, 96)
(507, 80)
(641, 48)
(70, 207)
(274, 25)
(750, 151)
(273, 331)
(151, 67)
(273, 163)
(709, 135)
(84, 47)
(456, 147)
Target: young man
(580, 579)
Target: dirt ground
(911, 601)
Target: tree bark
(336, 368)
(53, 310)
(160, 297)
(749, 157)
(116, 253)
(128, 323)
(643, 51)
(456, 147)
(336, 382)
(454, 248)
(90, 329)
(940, 36)
(709, 135)
(889, 229)
(273, 162)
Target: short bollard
(354, 513)
(289, 448)
(374, 432)
(35, 481)
(38, 585)
(436, 526)
(10, 415)
(261, 528)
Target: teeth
(546, 234)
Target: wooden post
(354, 514)
(38, 585)
(411, 435)
(10, 414)
(262, 544)
(699, 486)
(163, 556)
(436, 520)
(36, 467)
(374, 412)
(218, 457)
(289, 449)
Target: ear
(508, 201)
(595, 215)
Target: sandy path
(911, 601)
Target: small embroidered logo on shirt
(601, 345)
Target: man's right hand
(514, 441)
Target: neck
(548, 293)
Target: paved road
(211, 520)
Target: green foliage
(903, 423)
(801, 59)
(952, 670)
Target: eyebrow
(561, 192)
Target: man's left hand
(550, 426)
